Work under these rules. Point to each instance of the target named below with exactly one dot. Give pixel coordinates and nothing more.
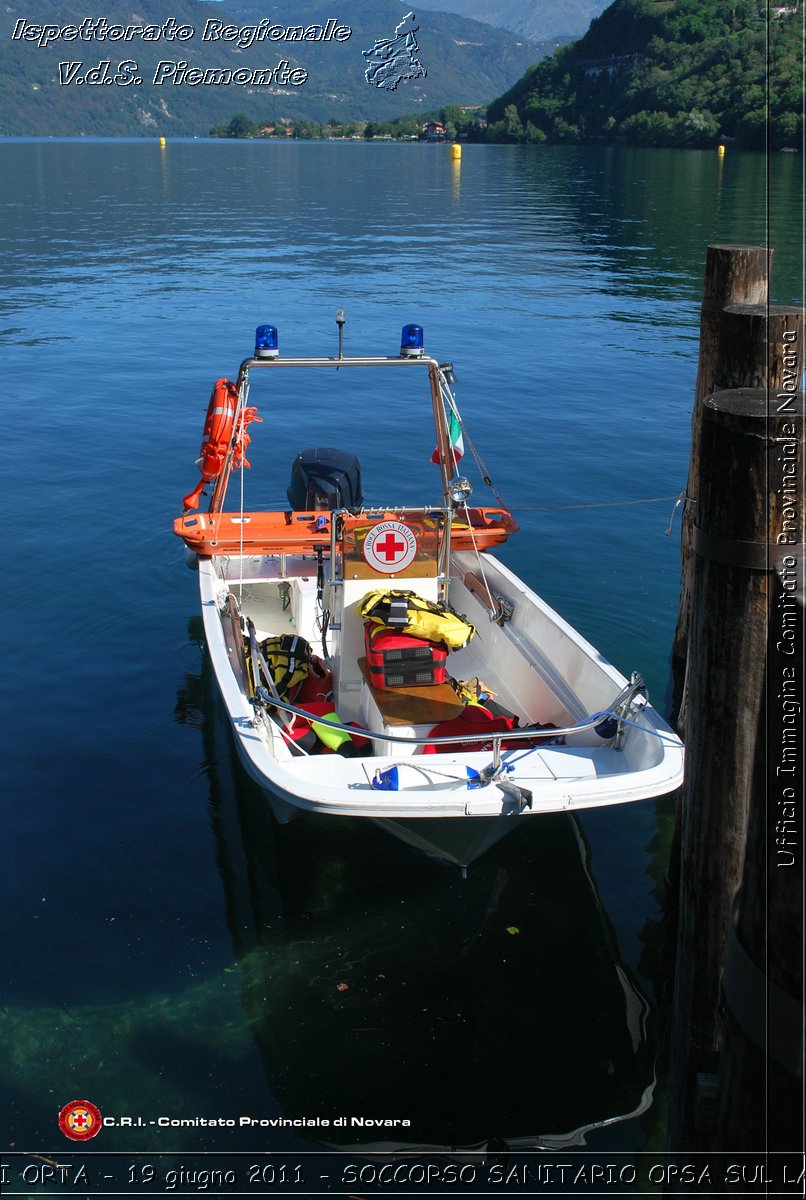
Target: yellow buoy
(720, 149)
(162, 141)
(456, 152)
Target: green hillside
(667, 73)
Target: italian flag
(455, 439)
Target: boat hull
(457, 840)
(448, 805)
(451, 839)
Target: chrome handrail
(367, 360)
(422, 360)
(624, 697)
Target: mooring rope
(450, 401)
(592, 504)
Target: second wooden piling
(733, 275)
(740, 513)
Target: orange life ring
(216, 437)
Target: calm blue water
(169, 952)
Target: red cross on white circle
(390, 546)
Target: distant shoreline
(78, 138)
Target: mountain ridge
(466, 62)
(562, 20)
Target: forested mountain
(464, 62)
(667, 73)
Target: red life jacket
(317, 684)
(474, 718)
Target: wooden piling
(761, 1099)
(760, 345)
(733, 275)
(749, 346)
(740, 510)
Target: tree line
(647, 72)
(456, 121)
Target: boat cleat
(521, 794)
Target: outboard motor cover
(325, 478)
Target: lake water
(170, 953)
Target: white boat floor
(560, 763)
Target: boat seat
(413, 705)
(408, 712)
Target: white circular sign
(390, 547)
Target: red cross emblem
(80, 1120)
(390, 546)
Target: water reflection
(576, 277)
(489, 1011)
(640, 218)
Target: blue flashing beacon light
(411, 341)
(266, 342)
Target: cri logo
(80, 1120)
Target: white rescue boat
(377, 661)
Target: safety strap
(398, 610)
(299, 654)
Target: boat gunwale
(655, 727)
(459, 740)
(290, 779)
